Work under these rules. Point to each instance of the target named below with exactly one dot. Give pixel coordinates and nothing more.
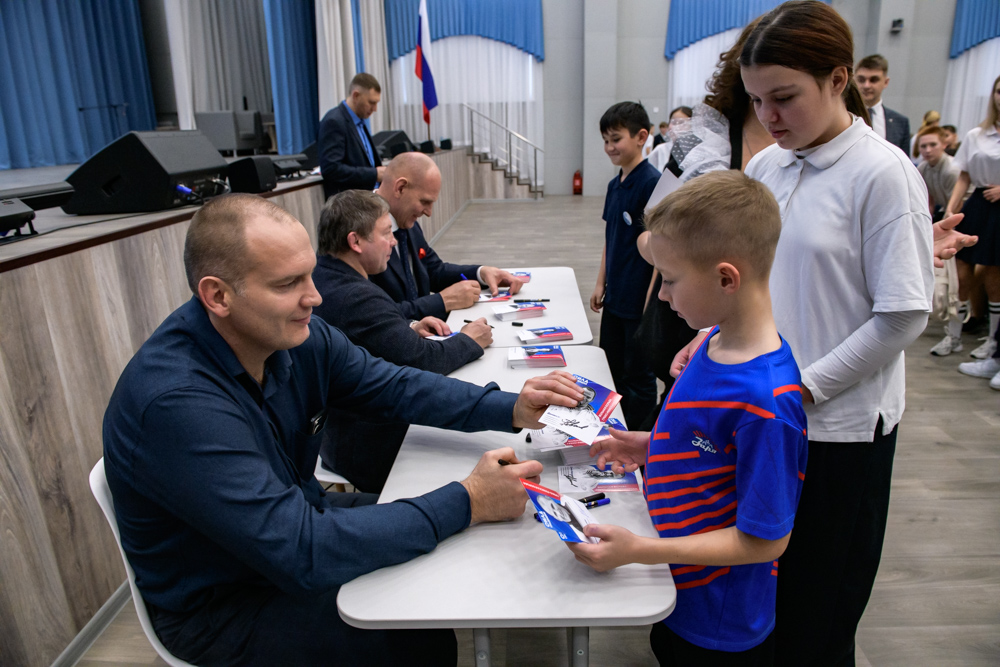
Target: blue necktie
(402, 238)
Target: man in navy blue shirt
(211, 439)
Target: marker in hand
(502, 462)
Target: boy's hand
(947, 241)
(682, 358)
(617, 547)
(624, 450)
(597, 299)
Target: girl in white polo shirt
(979, 160)
(851, 285)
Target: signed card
(584, 422)
(487, 297)
(591, 479)
(566, 516)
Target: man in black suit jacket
(872, 77)
(425, 284)
(347, 156)
(355, 240)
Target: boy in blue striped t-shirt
(726, 460)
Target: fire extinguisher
(577, 183)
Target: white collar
(826, 155)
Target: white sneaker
(986, 368)
(995, 382)
(986, 350)
(947, 345)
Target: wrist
(474, 511)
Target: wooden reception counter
(75, 305)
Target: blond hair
(722, 216)
(991, 108)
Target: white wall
(563, 93)
(598, 52)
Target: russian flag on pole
(423, 62)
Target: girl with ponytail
(851, 286)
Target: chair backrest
(99, 487)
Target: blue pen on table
(597, 503)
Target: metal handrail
(504, 152)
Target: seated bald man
(417, 279)
(210, 442)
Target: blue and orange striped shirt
(729, 449)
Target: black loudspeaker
(252, 174)
(427, 147)
(387, 141)
(146, 171)
(446, 144)
(312, 157)
(40, 197)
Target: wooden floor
(937, 597)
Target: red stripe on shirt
(691, 489)
(662, 436)
(708, 529)
(802, 476)
(690, 475)
(774, 573)
(675, 457)
(729, 405)
(695, 519)
(687, 569)
(701, 582)
(729, 448)
(677, 509)
(787, 388)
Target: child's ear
(729, 277)
(642, 136)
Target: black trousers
(260, 625)
(673, 651)
(826, 574)
(630, 368)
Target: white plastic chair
(99, 487)
(326, 477)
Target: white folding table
(564, 308)
(509, 574)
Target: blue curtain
(75, 78)
(291, 45)
(359, 42)
(694, 20)
(514, 22)
(975, 22)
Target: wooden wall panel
(70, 321)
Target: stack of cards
(586, 420)
(566, 516)
(523, 276)
(501, 296)
(436, 337)
(519, 311)
(545, 335)
(536, 357)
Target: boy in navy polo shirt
(624, 277)
(726, 460)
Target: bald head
(411, 185)
(216, 242)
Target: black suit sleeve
(371, 320)
(442, 274)
(341, 163)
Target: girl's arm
(961, 187)
(729, 546)
(874, 344)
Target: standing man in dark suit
(872, 77)
(347, 156)
(355, 241)
(417, 279)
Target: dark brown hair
(726, 93)
(722, 216)
(365, 81)
(875, 61)
(349, 211)
(807, 36)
